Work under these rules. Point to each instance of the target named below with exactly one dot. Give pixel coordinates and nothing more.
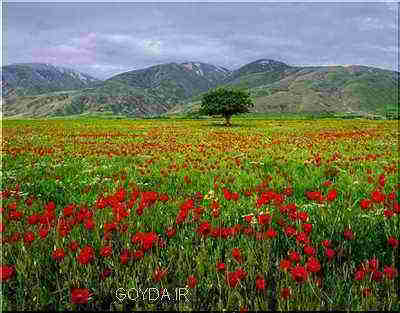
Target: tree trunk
(228, 120)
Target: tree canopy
(226, 102)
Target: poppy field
(265, 215)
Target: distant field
(270, 214)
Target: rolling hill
(177, 88)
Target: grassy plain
(311, 206)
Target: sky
(106, 38)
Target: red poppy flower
(377, 196)
(365, 204)
(14, 215)
(89, 224)
(290, 231)
(359, 275)
(6, 272)
(192, 281)
(286, 293)
(264, 219)
(366, 292)
(248, 218)
(232, 279)
(390, 272)
(294, 256)
(124, 256)
(313, 265)
(330, 253)
(271, 233)
(106, 273)
(309, 250)
(235, 196)
(73, 246)
(159, 274)
(392, 241)
(29, 237)
(307, 227)
(388, 213)
(260, 283)
(348, 234)
(331, 195)
(106, 251)
(373, 264)
(33, 219)
(80, 295)
(236, 254)
(171, 232)
(299, 273)
(221, 267)
(326, 243)
(58, 254)
(163, 197)
(2, 228)
(377, 276)
(285, 265)
(138, 254)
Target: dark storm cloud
(106, 38)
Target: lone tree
(226, 102)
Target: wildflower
(271, 233)
(313, 265)
(309, 250)
(221, 267)
(392, 241)
(365, 204)
(285, 265)
(377, 196)
(294, 256)
(86, 255)
(159, 274)
(79, 295)
(29, 237)
(390, 272)
(330, 253)
(348, 234)
(73, 246)
(248, 218)
(192, 281)
(286, 293)
(331, 195)
(6, 272)
(106, 251)
(43, 231)
(89, 224)
(377, 275)
(236, 254)
(106, 273)
(307, 227)
(58, 254)
(171, 232)
(359, 275)
(260, 283)
(299, 273)
(264, 219)
(366, 292)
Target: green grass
(81, 161)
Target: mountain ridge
(162, 88)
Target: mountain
(178, 81)
(38, 78)
(178, 87)
(315, 89)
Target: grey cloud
(106, 38)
